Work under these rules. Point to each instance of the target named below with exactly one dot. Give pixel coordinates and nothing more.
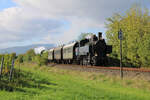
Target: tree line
(30, 56)
(135, 24)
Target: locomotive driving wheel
(94, 61)
(81, 62)
(85, 61)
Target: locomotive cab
(92, 51)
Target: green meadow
(50, 83)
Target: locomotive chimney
(99, 35)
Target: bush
(29, 55)
(41, 59)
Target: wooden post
(2, 62)
(11, 71)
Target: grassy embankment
(45, 83)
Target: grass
(45, 83)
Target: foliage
(41, 59)
(20, 58)
(44, 60)
(135, 25)
(8, 58)
(29, 55)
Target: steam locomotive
(89, 51)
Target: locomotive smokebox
(99, 35)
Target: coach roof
(69, 45)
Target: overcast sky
(25, 22)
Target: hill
(23, 49)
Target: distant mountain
(23, 49)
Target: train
(89, 51)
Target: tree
(29, 55)
(135, 25)
(41, 59)
(19, 58)
(12, 56)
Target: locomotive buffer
(120, 37)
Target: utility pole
(120, 37)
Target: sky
(26, 22)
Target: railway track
(118, 68)
(110, 68)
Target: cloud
(17, 25)
(55, 21)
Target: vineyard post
(11, 71)
(19, 71)
(2, 62)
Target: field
(50, 83)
